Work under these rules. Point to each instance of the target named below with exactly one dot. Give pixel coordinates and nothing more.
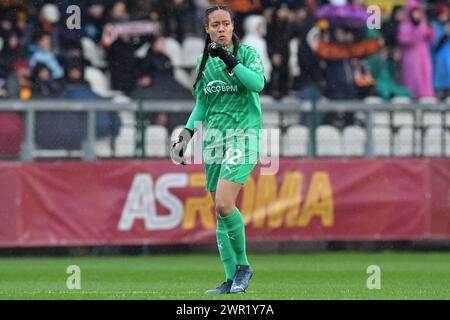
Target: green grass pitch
(277, 277)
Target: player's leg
(226, 252)
(227, 256)
(226, 195)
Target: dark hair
(38, 36)
(208, 39)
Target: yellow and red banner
(157, 202)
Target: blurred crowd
(310, 48)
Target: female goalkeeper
(230, 76)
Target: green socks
(235, 228)
(226, 252)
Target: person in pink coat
(414, 38)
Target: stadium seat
(373, 99)
(295, 142)
(290, 119)
(270, 119)
(98, 81)
(290, 99)
(184, 78)
(329, 141)
(103, 148)
(126, 142)
(427, 100)
(400, 100)
(173, 51)
(381, 141)
(156, 143)
(93, 53)
(354, 139)
(432, 142)
(403, 118)
(432, 119)
(381, 118)
(266, 99)
(192, 47)
(404, 142)
(127, 118)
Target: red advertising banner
(440, 198)
(9, 201)
(157, 202)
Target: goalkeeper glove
(179, 147)
(217, 49)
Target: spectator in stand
(107, 123)
(311, 79)
(384, 68)
(175, 15)
(156, 75)
(43, 53)
(121, 59)
(255, 30)
(95, 20)
(118, 12)
(156, 81)
(10, 53)
(340, 72)
(415, 38)
(390, 28)
(18, 83)
(7, 19)
(140, 9)
(43, 84)
(21, 24)
(45, 23)
(278, 36)
(241, 9)
(441, 51)
(123, 65)
(200, 7)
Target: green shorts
(234, 173)
(232, 160)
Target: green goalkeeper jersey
(229, 103)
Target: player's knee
(224, 208)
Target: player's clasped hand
(217, 49)
(179, 147)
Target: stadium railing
(411, 120)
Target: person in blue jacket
(441, 51)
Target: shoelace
(240, 276)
